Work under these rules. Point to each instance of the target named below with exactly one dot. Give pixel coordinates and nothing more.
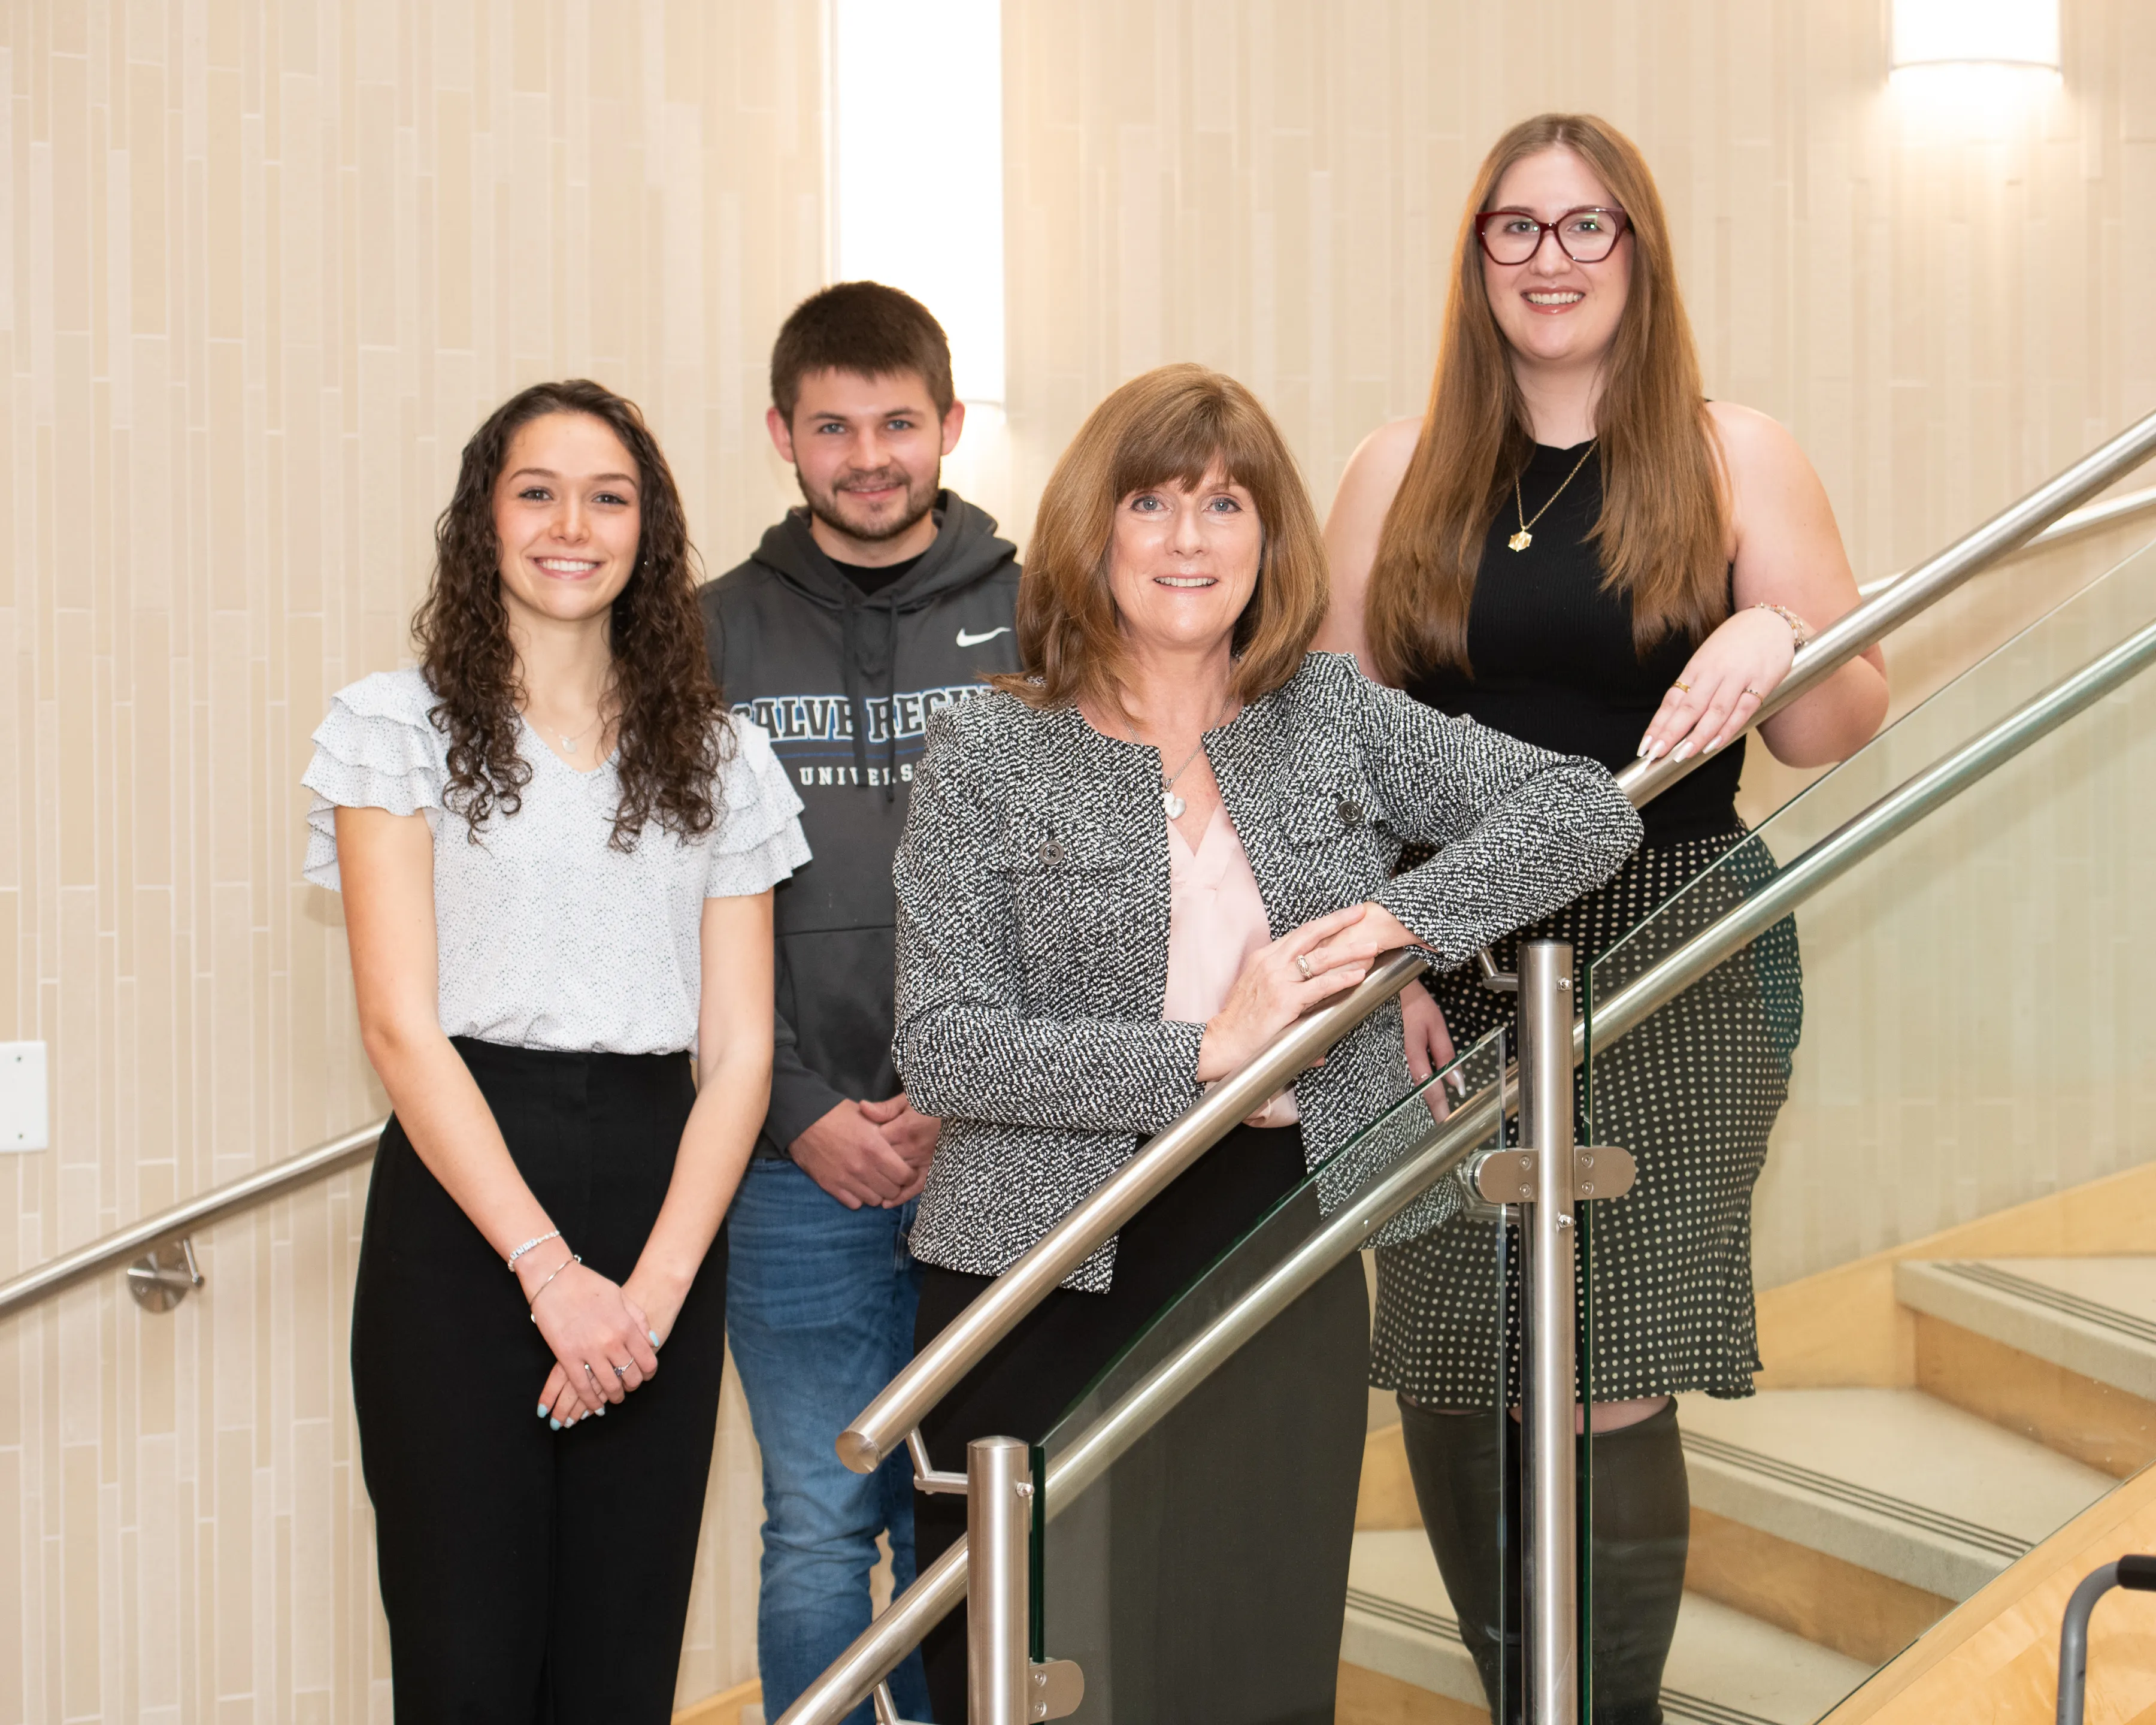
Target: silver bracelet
(535, 1239)
(573, 1258)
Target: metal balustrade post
(1547, 1479)
(999, 1524)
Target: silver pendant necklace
(1168, 800)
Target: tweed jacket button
(1051, 852)
(1350, 813)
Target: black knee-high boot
(1641, 1531)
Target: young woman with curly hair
(556, 853)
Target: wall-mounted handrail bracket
(166, 1276)
(927, 1476)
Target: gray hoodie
(844, 684)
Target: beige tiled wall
(1945, 309)
(263, 265)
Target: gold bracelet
(1797, 627)
(573, 1258)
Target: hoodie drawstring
(890, 706)
(849, 657)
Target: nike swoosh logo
(967, 640)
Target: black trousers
(1642, 1532)
(1213, 1587)
(530, 1575)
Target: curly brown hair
(671, 733)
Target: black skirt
(1205, 1577)
(1693, 1094)
(528, 1573)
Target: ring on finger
(1754, 693)
(619, 1371)
(1682, 686)
(1302, 964)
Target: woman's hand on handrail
(1273, 990)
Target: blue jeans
(820, 1301)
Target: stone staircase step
(2093, 1316)
(1724, 1668)
(1892, 1481)
(2062, 1350)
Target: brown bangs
(1175, 424)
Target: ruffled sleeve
(377, 749)
(759, 841)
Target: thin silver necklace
(569, 742)
(1168, 800)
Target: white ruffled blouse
(546, 938)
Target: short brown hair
(1174, 424)
(865, 328)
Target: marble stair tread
(2093, 1316)
(1724, 1668)
(1890, 1480)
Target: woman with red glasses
(1574, 546)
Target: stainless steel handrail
(887, 1640)
(883, 1425)
(2093, 518)
(1929, 582)
(183, 1219)
(881, 1428)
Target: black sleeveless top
(1554, 663)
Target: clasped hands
(604, 1337)
(869, 1154)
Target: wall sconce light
(918, 167)
(2014, 34)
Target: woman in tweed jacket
(1053, 1009)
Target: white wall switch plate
(24, 1117)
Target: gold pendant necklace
(1523, 539)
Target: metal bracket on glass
(1053, 1688)
(160, 1281)
(1508, 1176)
(926, 1477)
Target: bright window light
(1966, 32)
(918, 167)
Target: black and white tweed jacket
(1033, 913)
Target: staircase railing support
(1547, 1482)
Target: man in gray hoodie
(881, 598)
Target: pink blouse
(1215, 921)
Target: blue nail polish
(653, 1334)
(542, 1410)
(553, 1426)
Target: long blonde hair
(1176, 423)
(1663, 529)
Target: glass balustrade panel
(1889, 1238)
(1260, 1554)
